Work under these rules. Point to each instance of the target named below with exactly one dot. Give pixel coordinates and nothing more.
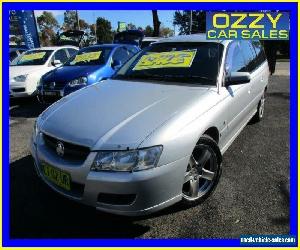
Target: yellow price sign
(172, 59)
(90, 56)
(33, 56)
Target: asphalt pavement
(251, 198)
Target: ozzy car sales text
(252, 25)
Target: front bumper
(50, 95)
(151, 190)
(19, 89)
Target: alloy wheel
(201, 173)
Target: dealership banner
(28, 27)
(247, 25)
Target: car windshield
(196, 63)
(90, 56)
(32, 57)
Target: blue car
(90, 65)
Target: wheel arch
(213, 133)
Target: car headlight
(81, 81)
(20, 78)
(132, 160)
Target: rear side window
(72, 52)
(249, 55)
(61, 55)
(260, 53)
(121, 54)
(235, 61)
(132, 51)
(12, 55)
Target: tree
(131, 26)
(83, 25)
(148, 31)
(93, 29)
(47, 25)
(156, 23)
(104, 32)
(70, 20)
(182, 19)
(166, 32)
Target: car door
(260, 73)
(255, 71)
(238, 96)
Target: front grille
(71, 151)
(54, 85)
(18, 90)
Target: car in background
(89, 66)
(133, 37)
(154, 134)
(147, 41)
(71, 37)
(26, 71)
(15, 52)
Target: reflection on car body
(155, 133)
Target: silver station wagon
(155, 133)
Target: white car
(26, 71)
(147, 41)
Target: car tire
(259, 115)
(203, 172)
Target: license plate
(57, 176)
(51, 93)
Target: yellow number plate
(34, 56)
(58, 177)
(176, 59)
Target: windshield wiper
(166, 78)
(185, 78)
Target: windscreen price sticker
(247, 25)
(171, 59)
(86, 57)
(33, 56)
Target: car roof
(16, 49)
(55, 47)
(110, 45)
(152, 38)
(191, 38)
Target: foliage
(182, 19)
(70, 20)
(83, 25)
(104, 32)
(47, 25)
(166, 32)
(92, 29)
(148, 31)
(131, 26)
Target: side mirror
(55, 63)
(236, 78)
(116, 64)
